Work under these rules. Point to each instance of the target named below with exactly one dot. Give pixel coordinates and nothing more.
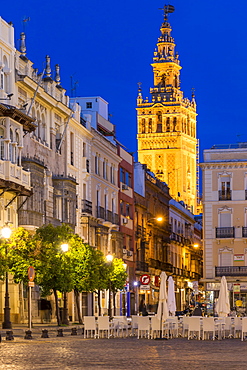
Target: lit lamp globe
(6, 232)
(65, 247)
(109, 257)
(159, 219)
(196, 245)
(125, 266)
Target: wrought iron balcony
(142, 266)
(225, 232)
(86, 206)
(115, 219)
(225, 195)
(109, 216)
(100, 212)
(231, 271)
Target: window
(225, 188)
(97, 163)
(89, 105)
(128, 210)
(122, 175)
(105, 169)
(84, 150)
(121, 207)
(72, 148)
(112, 173)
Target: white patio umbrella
(222, 307)
(162, 313)
(171, 300)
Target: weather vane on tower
(168, 9)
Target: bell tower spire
(166, 136)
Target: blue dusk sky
(105, 48)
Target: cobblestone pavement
(75, 352)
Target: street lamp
(6, 233)
(109, 259)
(65, 321)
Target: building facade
(152, 234)
(166, 125)
(225, 221)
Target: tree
(118, 276)
(53, 267)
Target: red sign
(145, 279)
(31, 273)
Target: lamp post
(6, 233)
(109, 259)
(65, 321)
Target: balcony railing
(86, 206)
(225, 232)
(115, 219)
(231, 271)
(244, 232)
(100, 212)
(142, 266)
(109, 216)
(225, 195)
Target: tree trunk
(114, 302)
(78, 305)
(57, 308)
(99, 303)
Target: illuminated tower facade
(166, 135)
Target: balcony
(142, 266)
(140, 232)
(225, 195)
(225, 232)
(115, 219)
(100, 212)
(109, 216)
(86, 206)
(231, 271)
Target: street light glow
(65, 247)
(109, 257)
(6, 232)
(196, 245)
(159, 219)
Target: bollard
(28, 334)
(44, 333)
(59, 332)
(73, 331)
(9, 335)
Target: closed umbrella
(171, 300)
(162, 313)
(222, 307)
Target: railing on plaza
(231, 271)
(225, 195)
(86, 206)
(225, 232)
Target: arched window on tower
(143, 130)
(168, 124)
(174, 123)
(150, 125)
(159, 122)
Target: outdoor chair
(228, 332)
(143, 327)
(244, 327)
(155, 327)
(121, 325)
(185, 324)
(237, 327)
(194, 326)
(103, 326)
(173, 326)
(89, 326)
(208, 326)
(134, 324)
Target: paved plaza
(75, 352)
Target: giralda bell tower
(166, 136)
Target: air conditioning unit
(125, 187)
(125, 220)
